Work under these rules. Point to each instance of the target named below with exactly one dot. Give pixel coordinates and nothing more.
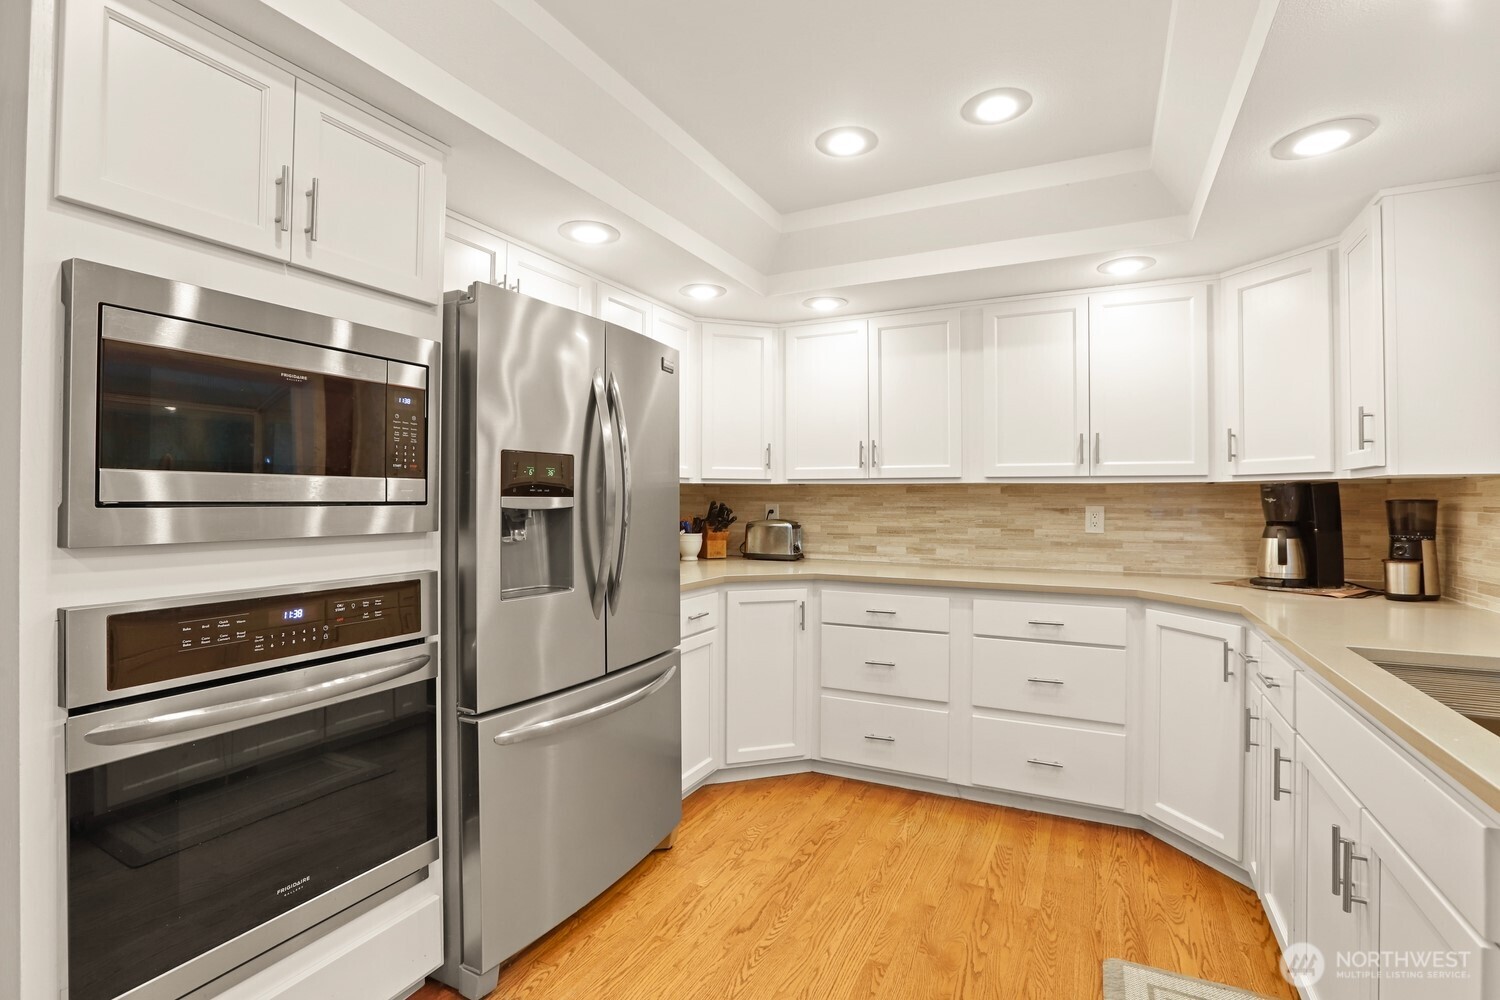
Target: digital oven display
(293, 614)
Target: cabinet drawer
(699, 614)
(1050, 678)
(886, 661)
(890, 737)
(1053, 622)
(1447, 839)
(1274, 673)
(1056, 761)
(908, 611)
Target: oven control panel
(147, 647)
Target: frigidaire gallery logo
(292, 887)
(1303, 964)
(294, 376)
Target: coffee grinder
(1303, 542)
(1412, 572)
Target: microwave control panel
(146, 647)
(406, 432)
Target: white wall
(56, 577)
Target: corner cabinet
(1192, 707)
(164, 119)
(1361, 379)
(766, 676)
(739, 401)
(702, 689)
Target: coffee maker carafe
(1412, 572)
(1303, 542)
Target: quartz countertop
(1321, 632)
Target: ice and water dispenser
(537, 523)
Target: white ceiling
(689, 128)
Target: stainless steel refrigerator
(560, 585)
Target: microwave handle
(172, 725)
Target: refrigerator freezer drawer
(562, 797)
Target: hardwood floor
(815, 887)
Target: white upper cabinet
(1036, 385)
(471, 253)
(530, 273)
(163, 121)
(682, 333)
(367, 199)
(1361, 381)
(915, 399)
(617, 306)
(739, 401)
(1148, 381)
(1277, 377)
(827, 405)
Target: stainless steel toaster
(772, 538)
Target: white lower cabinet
(1052, 760)
(1192, 719)
(702, 710)
(886, 662)
(1278, 791)
(904, 738)
(1050, 678)
(765, 666)
(1330, 815)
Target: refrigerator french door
(561, 582)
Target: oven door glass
(175, 852)
(196, 414)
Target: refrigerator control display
(535, 474)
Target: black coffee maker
(1303, 544)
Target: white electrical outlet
(772, 511)
(1093, 520)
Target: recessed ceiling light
(702, 290)
(825, 303)
(1121, 266)
(846, 140)
(995, 106)
(584, 231)
(1324, 137)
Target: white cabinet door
(1430, 952)
(163, 121)
(1330, 814)
(617, 306)
(1277, 808)
(682, 333)
(1278, 360)
(915, 401)
(702, 707)
(530, 273)
(1148, 381)
(1361, 356)
(1254, 802)
(766, 661)
(739, 394)
(368, 199)
(1193, 699)
(471, 253)
(1036, 388)
(827, 411)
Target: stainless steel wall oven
(245, 772)
(194, 415)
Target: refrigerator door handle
(617, 407)
(601, 586)
(563, 723)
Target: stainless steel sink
(1470, 685)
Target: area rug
(1128, 981)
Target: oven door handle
(563, 723)
(172, 724)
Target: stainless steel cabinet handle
(1227, 672)
(1338, 863)
(1276, 790)
(1080, 447)
(1269, 682)
(607, 435)
(1044, 680)
(1049, 624)
(566, 722)
(312, 212)
(701, 614)
(879, 663)
(1363, 441)
(880, 739)
(1044, 763)
(517, 289)
(1232, 455)
(617, 407)
(874, 453)
(283, 195)
(768, 455)
(861, 454)
(877, 611)
(802, 615)
(1097, 459)
(1250, 720)
(1245, 657)
(1348, 857)
(113, 734)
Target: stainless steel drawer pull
(1364, 441)
(1044, 763)
(880, 739)
(1080, 447)
(1049, 624)
(1338, 860)
(1232, 451)
(877, 611)
(1276, 790)
(861, 454)
(879, 663)
(701, 614)
(283, 198)
(1269, 682)
(1349, 857)
(312, 212)
(1044, 680)
(1250, 720)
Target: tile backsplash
(1192, 528)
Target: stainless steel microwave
(194, 415)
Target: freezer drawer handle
(159, 726)
(566, 722)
